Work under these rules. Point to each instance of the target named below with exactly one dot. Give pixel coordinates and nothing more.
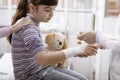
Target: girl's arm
(46, 59)
(50, 58)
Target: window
(112, 8)
(3, 3)
(15, 2)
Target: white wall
(109, 24)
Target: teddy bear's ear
(48, 38)
(65, 44)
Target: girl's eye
(47, 10)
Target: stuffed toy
(57, 41)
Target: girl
(30, 60)
(5, 30)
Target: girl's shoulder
(27, 28)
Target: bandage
(71, 52)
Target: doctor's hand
(90, 50)
(89, 37)
(20, 24)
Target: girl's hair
(22, 9)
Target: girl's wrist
(74, 51)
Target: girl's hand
(90, 50)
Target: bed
(6, 67)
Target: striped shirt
(26, 43)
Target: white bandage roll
(71, 52)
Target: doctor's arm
(109, 41)
(106, 40)
(6, 30)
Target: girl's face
(43, 13)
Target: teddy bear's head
(56, 41)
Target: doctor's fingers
(95, 46)
(26, 21)
(98, 45)
(85, 55)
(81, 36)
(29, 21)
(90, 51)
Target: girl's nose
(51, 14)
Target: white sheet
(6, 67)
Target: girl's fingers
(83, 55)
(79, 42)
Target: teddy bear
(57, 41)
